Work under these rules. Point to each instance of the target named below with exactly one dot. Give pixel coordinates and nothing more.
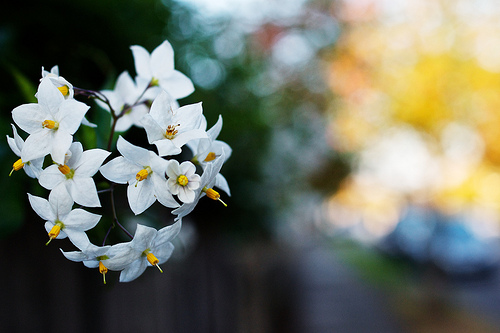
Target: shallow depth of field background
(364, 176)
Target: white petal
(119, 170)
(141, 61)
(144, 237)
(134, 270)
(134, 154)
(29, 117)
(168, 233)
(81, 220)
(51, 177)
(90, 162)
(162, 110)
(140, 196)
(163, 252)
(42, 207)
(49, 97)
(177, 84)
(163, 194)
(61, 143)
(60, 200)
(154, 131)
(185, 195)
(167, 148)
(84, 192)
(173, 169)
(37, 145)
(71, 113)
(162, 60)
(77, 237)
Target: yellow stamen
(182, 180)
(153, 260)
(54, 232)
(213, 194)
(210, 157)
(18, 165)
(50, 124)
(64, 169)
(171, 131)
(142, 174)
(103, 270)
(64, 90)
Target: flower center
(66, 170)
(18, 165)
(182, 180)
(143, 174)
(213, 194)
(171, 131)
(64, 90)
(103, 270)
(50, 124)
(210, 157)
(152, 259)
(54, 232)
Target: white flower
(76, 174)
(149, 247)
(32, 168)
(170, 129)
(207, 181)
(157, 68)
(51, 123)
(102, 257)
(61, 220)
(183, 180)
(205, 150)
(61, 83)
(144, 171)
(126, 95)
(64, 87)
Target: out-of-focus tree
(416, 85)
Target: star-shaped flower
(76, 174)
(61, 83)
(207, 181)
(32, 168)
(144, 171)
(128, 97)
(149, 247)
(157, 68)
(115, 257)
(51, 123)
(205, 150)
(183, 180)
(169, 129)
(61, 220)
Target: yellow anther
(54, 232)
(141, 175)
(213, 194)
(182, 180)
(171, 131)
(153, 260)
(210, 157)
(103, 270)
(64, 90)
(64, 169)
(50, 124)
(18, 165)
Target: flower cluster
(61, 165)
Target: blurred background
(365, 184)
